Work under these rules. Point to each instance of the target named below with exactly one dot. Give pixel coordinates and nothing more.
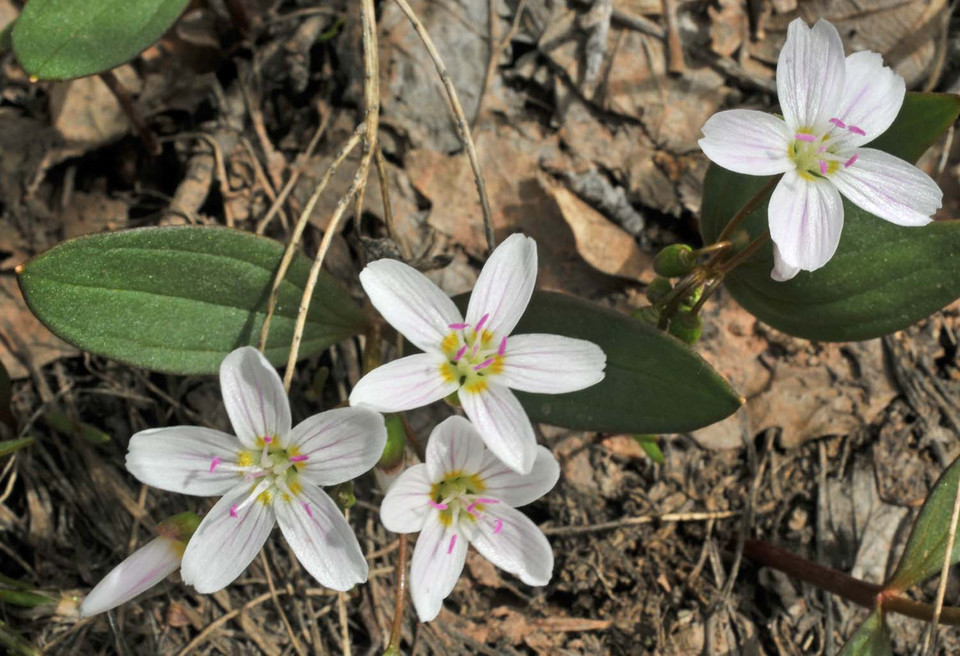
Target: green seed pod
(658, 288)
(396, 442)
(686, 326)
(342, 495)
(675, 261)
(647, 313)
(692, 298)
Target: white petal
(505, 285)
(551, 364)
(454, 445)
(140, 571)
(747, 141)
(810, 75)
(509, 540)
(435, 567)
(339, 444)
(503, 424)
(404, 384)
(871, 100)
(184, 459)
(890, 188)
(782, 271)
(254, 396)
(323, 541)
(416, 307)
(515, 489)
(405, 509)
(806, 217)
(224, 545)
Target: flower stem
(748, 208)
(396, 630)
(744, 254)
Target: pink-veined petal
(503, 424)
(404, 384)
(890, 188)
(810, 75)
(404, 509)
(551, 364)
(515, 489)
(871, 100)
(505, 285)
(782, 271)
(806, 217)
(254, 396)
(139, 572)
(454, 446)
(321, 538)
(338, 445)
(436, 565)
(406, 298)
(747, 141)
(509, 540)
(225, 543)
(185, 459)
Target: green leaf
(180, 299)
(882, 278)
(871, 639)
(651, 447)
(25, 599)
(63, 39)
(923, 555)
(61, 422)
(654, 383)
(9, 446)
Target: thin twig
(636, 521)
(930, 639)
(384, 182)
(130, 109)
(276, 603)
(396, 630)
(463, 128)
(496, 51)
(675, 62)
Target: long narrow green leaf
(871, 639)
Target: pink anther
(856, 130)
(458, 326)
(802, 136)
(472, 506)
(850, 161)
(821, 149)
(213, 463)
(306, 506)
(498, 526)
(300, 458)
(840, 124)
(267, 439)
(483, 365)
(453, 541)
(823, 167)
(437, 505)
(482, 321)
(487, 501)
(233, 510)
(463, 349)
(503, 347)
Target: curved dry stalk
(463, 128)
(930, 639)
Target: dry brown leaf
(86, 113)
(90, 213)
(19, 327)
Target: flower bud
(658, 288)
(687, 326)
(392, 457)
(675, 261)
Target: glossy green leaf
(923, 555)
(63, 39)
(883, 277)
(654, 383)
(180, 299)
(871, 639)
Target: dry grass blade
(930, 638)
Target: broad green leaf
(64, 39)
(654, 383)
(883, 277)
(871, 639)
(180, 299)
(923, 555)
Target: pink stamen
(472, 506)
(850, 161)
(453, 541)
(804, 137)
(840, 124)
(482, 321)
(498, 526)
(306, 506)
(487, 501)
(437, 505)
(267, 439)
(463, 349)
(486, 363)
(823, 167)
(503, 347)
(458, 326)
(856, 130)
(213, 463)
(821, 149)
(233, 510)
(298, 458)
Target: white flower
(139, 572)
(268, 473)
(475, 357)
(464, 494)
(831, 107)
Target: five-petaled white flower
(476, 357)
(831, 107)
(464, 494)
(268, 473)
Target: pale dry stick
(299, 228)
(223, 619)
(675, 63)
(218, 159)
(496, 52)
(261, 177)
(463, 128)
(636, 521)
(384, 181)
(276, 602)
(371, 94)
(298, 168)
(930, 639)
